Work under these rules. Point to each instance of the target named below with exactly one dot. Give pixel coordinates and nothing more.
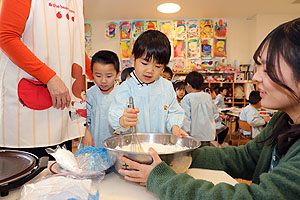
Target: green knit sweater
(250, 162)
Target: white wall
(244, 35)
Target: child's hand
(178, 132)
(129, 117)
(87, 140)
(267, 119)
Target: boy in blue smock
(156, 108)
(198, 106)
(219, 100)
(251, 115)
(105, 69)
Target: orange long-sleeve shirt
(13, 17)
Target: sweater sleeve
(13, 17)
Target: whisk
(135, 143)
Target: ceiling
(190, 9)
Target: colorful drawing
(125, 47)
(179, 29)
(151, 25)
(125, 29)
(220, 48)
(166, 28)
(220, 63)
(178, 65)
(221, 29)
(207, 64)
(193, 48)
(125, 63)
(193, 29)
(137, 28)
(179, 48)
(111, 29)
(194, 64)
(206, 48)
(206, 28)
(88, 46)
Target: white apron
(54, 32)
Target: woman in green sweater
(271, 160)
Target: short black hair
(254, 97)
(195, 79)
(106, 57)
(221, 89)
(155, 45)
(178, 85)
(168, 70)
(125, 73)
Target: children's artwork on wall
(207, 64)
(88, 38)
(220, 29)
(110, 30)
(166, 28)
(206, 28)
(125, 28)
(125, 47)
(179, 29)
(137, 28)
(206, 48)
(179, 48)
(87, 29)
(220, 48)
(220, 63)
(194, 64)
(193, 50)
(151, 25)
(125, 63)
(178, 65)
(193, 29)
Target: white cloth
(219, 101)
(252, 117)
(199, 120)
(59, 43)
(159, 109)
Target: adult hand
(139, 172)
(178, 132)
(59, 93)
(129, 117)
(87, 140)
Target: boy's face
(166, 75)
(104, 76)
(224, 92)
(147, 71)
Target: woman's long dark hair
(283, 42)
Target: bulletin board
(196, 45)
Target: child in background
(167, 73)
(156, 109)
(251, 115)
(199, 118)
(105, 69)
(219, 101)
(179, 88)
(125, 74)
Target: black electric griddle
(18, 167)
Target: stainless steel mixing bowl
(179, 161)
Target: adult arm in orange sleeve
(13, 17)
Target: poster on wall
(137, 28)
(194, 64)
(166, 28)
(220, 48)
(125, 63)
(111, 30)
(206, 28)
(179, 48)
(125, 29)
(151, 25)
(193, 48)
(88, 38)
(125, 49)
(206, 48)
(179, 29)
(178, 65)
(220, 63)
(207, 64)
(193, 29)
(221, 28)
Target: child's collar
(137, 80)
